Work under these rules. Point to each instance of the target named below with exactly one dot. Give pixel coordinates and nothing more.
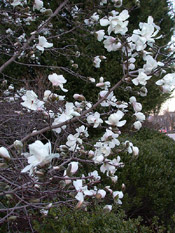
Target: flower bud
(79, 97)
(18, 145)
(4, 153)
(107, 208)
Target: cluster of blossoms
(71, 121)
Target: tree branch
(23, 48)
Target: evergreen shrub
(150, 178)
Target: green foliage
(79, 221)
(149, 179)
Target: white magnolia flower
(100, 35)
(137, 107)
(39, 155)
(140, 116)
(73, 141)
(60, 119)
(17, 3)
(137, 125)
(95, 175)
(104, 22)
(79, 197)
(98, 159)
(18, 144)
(47, 95)
(102, 148)
(110, 139)
(43, 44)
(167, 82)
(97, 62)
(107, 208)
(141, 79)
(31, 101)
(103, 2)
(150, 65)
(95, 17)
(57, 80)
(117, 24)
(78, 184)
(79, 97)
(139, 42)
(38, 5)
(110, 166)
(4, 153)
(117, 195)
(148, 30)
(135, 150)
(111, 44)
(132, 99)
(73, 167)
(94, 119)
(82, 131)
(114, 119)
(114, 179)
(143, 91)
(101, 193)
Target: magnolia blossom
(66, 115)
(103, 2)
(39, 155)
(101, 193)
(111, 44)
(143, 91)
(97, 62)
(95, 17)
(141, 79)
(117, 24)
(47, 95)
(148, 30)
(95, 175)
(137, 106)
(43, 44)
(16, 3)
(78, 97)
(117, 195)
(100, 35)
(167, 82)
(82, 191)
(110, 166)
(57, 80)
(150, 65)
(94, 119)
(73, 141)
(114, 119)
(4, 153)
(31, 101)
(98, 159)
(139, 42)
(135, 150)
(73, 167)
(131, 149)
(38, 5)
(137, 125)
(110, 139)
(107, 208)
(140, 116)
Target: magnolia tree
(65, 161)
